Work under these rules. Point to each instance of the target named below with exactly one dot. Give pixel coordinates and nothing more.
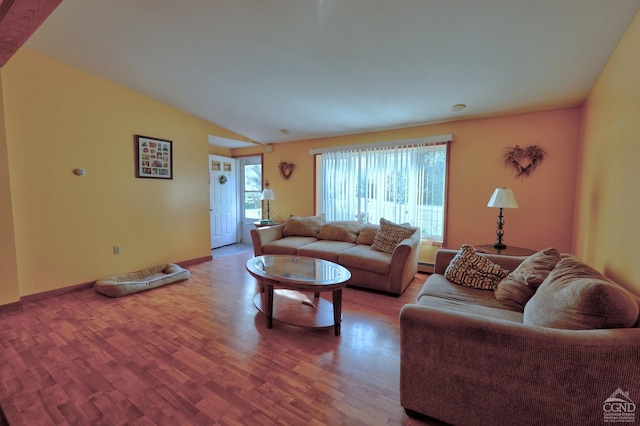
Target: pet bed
(134, 282)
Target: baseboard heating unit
(426, 267)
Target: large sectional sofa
(550, 342)
(388, 268)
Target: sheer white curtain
(404, 183)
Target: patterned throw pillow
(390, 235)
(470, 269)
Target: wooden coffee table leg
(337, 310)
(269, 310)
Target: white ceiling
(331, 67)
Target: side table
(509, 251)
(260, 223)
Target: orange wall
(546, 198)
(609, 200)
(59, 118)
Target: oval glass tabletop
(298, 269)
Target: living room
(58, 229)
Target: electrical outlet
(116, 250)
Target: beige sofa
(347, 243)
(571, 356)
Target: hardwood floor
(198, 352)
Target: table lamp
(502, 198)
(268, 195)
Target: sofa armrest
(462, 367)
(444, 256)
(404, 263)
(265, 235)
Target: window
(251, 175)
(403, 181)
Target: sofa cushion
(325, 249)
(575, 296)
(438, 286)
(346, 231)
(390, 235)
(364, 257)
(308, 226)
(367, 234)
(453, 306)
(521, 283)
(470, 269)
(289, 245)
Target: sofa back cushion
(521, 283)
(367, 234)
(470, 269)
(346, 231)
(575, 296)
(307, 226)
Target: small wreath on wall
(222, 179)
(286, 169)
(524, 160)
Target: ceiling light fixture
(458, 107)
(285, 131)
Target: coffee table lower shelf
(299, 309)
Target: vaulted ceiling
(18, 20)
(280, 70)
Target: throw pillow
(577, 297)
(340, 231)
(390, 235)
(308, 226)
(521, 284)
(470, 269)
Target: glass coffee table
(283, 281)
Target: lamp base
(499, 246)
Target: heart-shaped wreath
(524, 160)
(286, 169)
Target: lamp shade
(503, 198)
(267, 194)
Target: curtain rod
(404, 142)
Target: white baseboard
(426, 267)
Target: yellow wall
(59, 118)
(217, 150)
(8, 265)
(607, 227)
(546, 198)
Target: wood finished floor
(198, 352)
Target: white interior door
(223, 200)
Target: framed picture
(227, 167)
(215, 166)
(154, 157)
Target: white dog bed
(133, 282)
